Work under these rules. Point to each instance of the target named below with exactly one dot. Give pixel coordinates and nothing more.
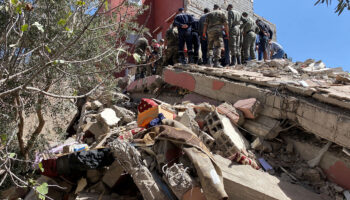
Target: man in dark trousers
(195, 40)
(204, 41)
(265, 35)
(183, 22)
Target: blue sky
(308, 31)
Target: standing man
(172, 46)
(204, 41)
(249, 37)
(195, 40)
(234, 22)
(157, 53)
(226, 49)
(140, 48)
(183, 23)
(214, 22)
(265, 35)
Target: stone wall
(196, 7)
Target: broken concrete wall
(258, 185)
(336, 166)
(315, 117)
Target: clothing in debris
(78, 162)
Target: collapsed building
(265, 130)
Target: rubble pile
(127, 148)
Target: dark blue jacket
(182, 19)
(195, 25)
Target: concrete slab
(245, 183)
(324, 120)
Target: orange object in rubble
(144, 118)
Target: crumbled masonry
(221, 129)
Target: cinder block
(227, 137)
(250, 107)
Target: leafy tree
(63, 49)
(342, 4)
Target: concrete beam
(245, 183)
(323, 120)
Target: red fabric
(146, 104)
(50, 168)
(244, 160)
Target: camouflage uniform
(215, 21)
(159, 63)
(249, 30)
(140, 48)
(234, 21)
(171, 54)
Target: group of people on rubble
(238, 34)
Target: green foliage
(42, 189)
(41, 167)
(341, 6)
(24, 27)
(60, 45)
(12, 155)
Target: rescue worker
(214, 22)
(204, 41)
(265, 36)
(140, 48)
(277, 51)
(183, 23)
(162, 43)
(234, 21)
(172, 46)
(249, 30)
(195, 40)
(226, 49)
(157, 53)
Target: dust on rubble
(159, 141)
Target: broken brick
(235, 116)
(250, 107)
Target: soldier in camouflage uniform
(171, 42)
(234, 21)
(140, 48)
(249, 30)
(157, 53)
(213, 24)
